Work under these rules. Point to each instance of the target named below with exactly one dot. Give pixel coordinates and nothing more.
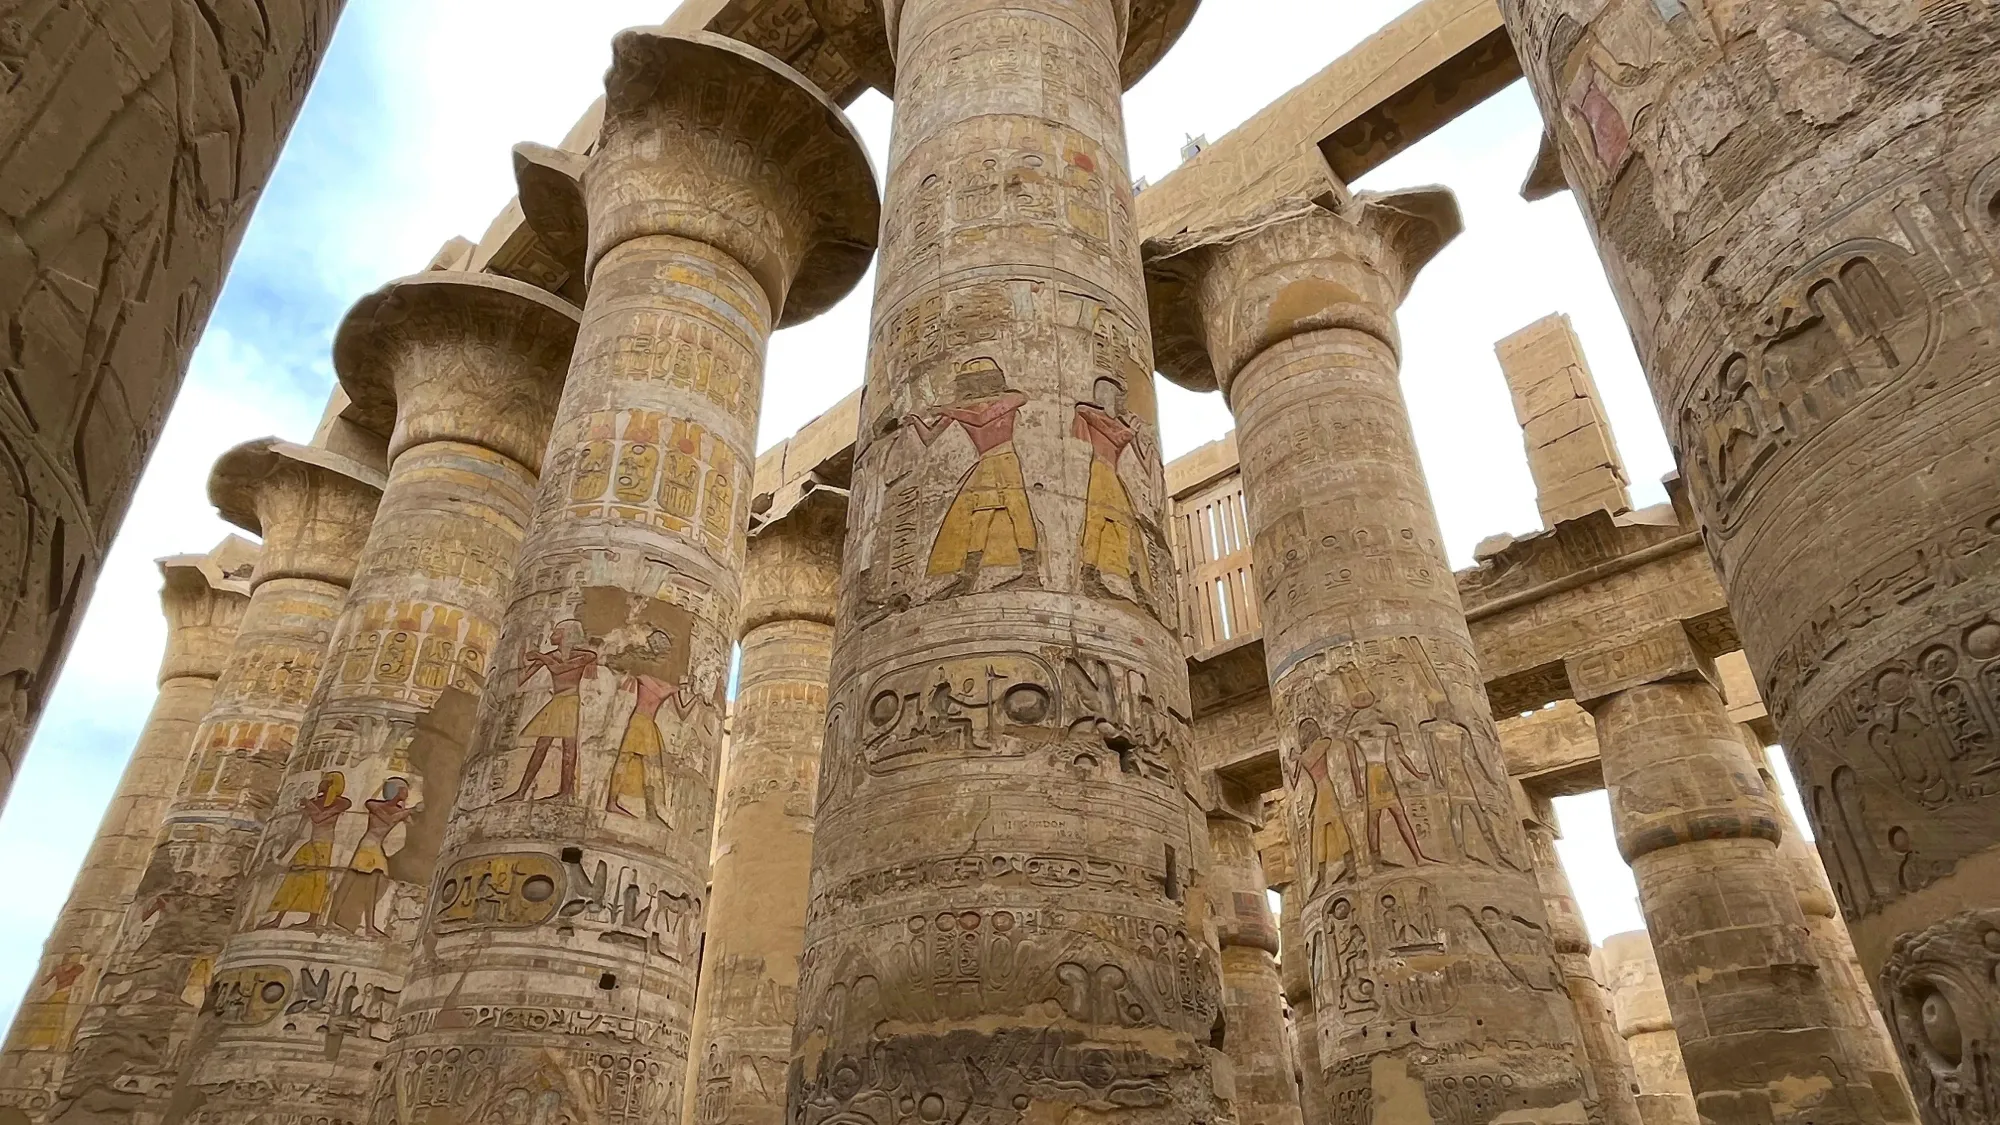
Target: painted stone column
(1253, 1001)
(1301, 1025)
(463, 371)
(1005, 835)
(1799, 211)
(1422, 919)
(313, 509)
(203, 599)
(1609, 1097)
(1756, 1016)
(763, 857)
(139, 135)
(1639, 1002)
(555, 976)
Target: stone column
(1253, 1001)
(1799, 211)
(555, 976)
(1639, 1003)
(313, 509)
(203, 599)
(1423, 922)
(1005, 834)
(763, 857)
(1756, 1016)
(138, 134)
(1295, 977)
(463, 370)
(1609, 1096)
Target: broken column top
(1571, 451)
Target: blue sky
(404, 142)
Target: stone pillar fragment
(1639, 1003)
(744, 1010)
(203, 598)
(313, 509)
(1253, 1002)
(1571, 452)
(1757, 1017)
(725, 196)
(1799, 212)
(1422, 918)
(463, 371)
(138, 134)
(1295, 977)
(1005, 834)
(1609, 1097)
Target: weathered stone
(556, 971)
(1601, 1050)
(138, 135)
(1005, 840)
(1253, 1000)
(1639, 1002)
(1422, 917)
(313, 509)
(463, 371)
(1571, 453)
(1799, 210)
(1757, 1018)
(203, 599)
(764, 828)
(1302, 1028)
(550, 181)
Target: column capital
(548, 183)
(714, 141)
(312, 508)
(1223, 295)
(203, 598)
(450, 356)
(793, 568)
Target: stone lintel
(550, 185)
(821, 454)
(1660, 654)
(1552, 752)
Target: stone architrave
(1253, 1000)
(1639, 1003)
(1610, 1098)
(1799, 212)
(1758, 1020)
(138, 134)
(203, 599)
(556, 971)
(1005, 840)
(1422, 918)
(463, 371)
(313, 509)
(742, 1041)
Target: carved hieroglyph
(764, 825)
(203, 599)
(1799, 209)
(138, 135)
(555, 975)
(313, 509)
(1000, 927)
(1760, 1023)
(1430, 953)
(1253, 1001)
(464, 371)
(1639, 1004)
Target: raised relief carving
(1941, 987)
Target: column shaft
(139, 135)
(1000, 925)
(1756, 1016)
(1639, 1002)
(1304, 1029)
(557, 968)
(763, 857)
(1253, 1001)
(202, 617)
(1799, 212)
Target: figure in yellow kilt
(568, 664)
(638, 771)
(989, 523)
(1332, 849)
(309, 875)
(1111, 540)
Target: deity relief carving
(1941, 988)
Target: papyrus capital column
(1757, 1017)
(725, 196)
(1798, 208)
(744, 1011)
(1253, 1000)
(203, 597)
(313, 509)
(1422, 919)
(462, 371)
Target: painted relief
(647, 467)
(989, 522)
(567, 661)
(1113, 553)
(301, 898)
